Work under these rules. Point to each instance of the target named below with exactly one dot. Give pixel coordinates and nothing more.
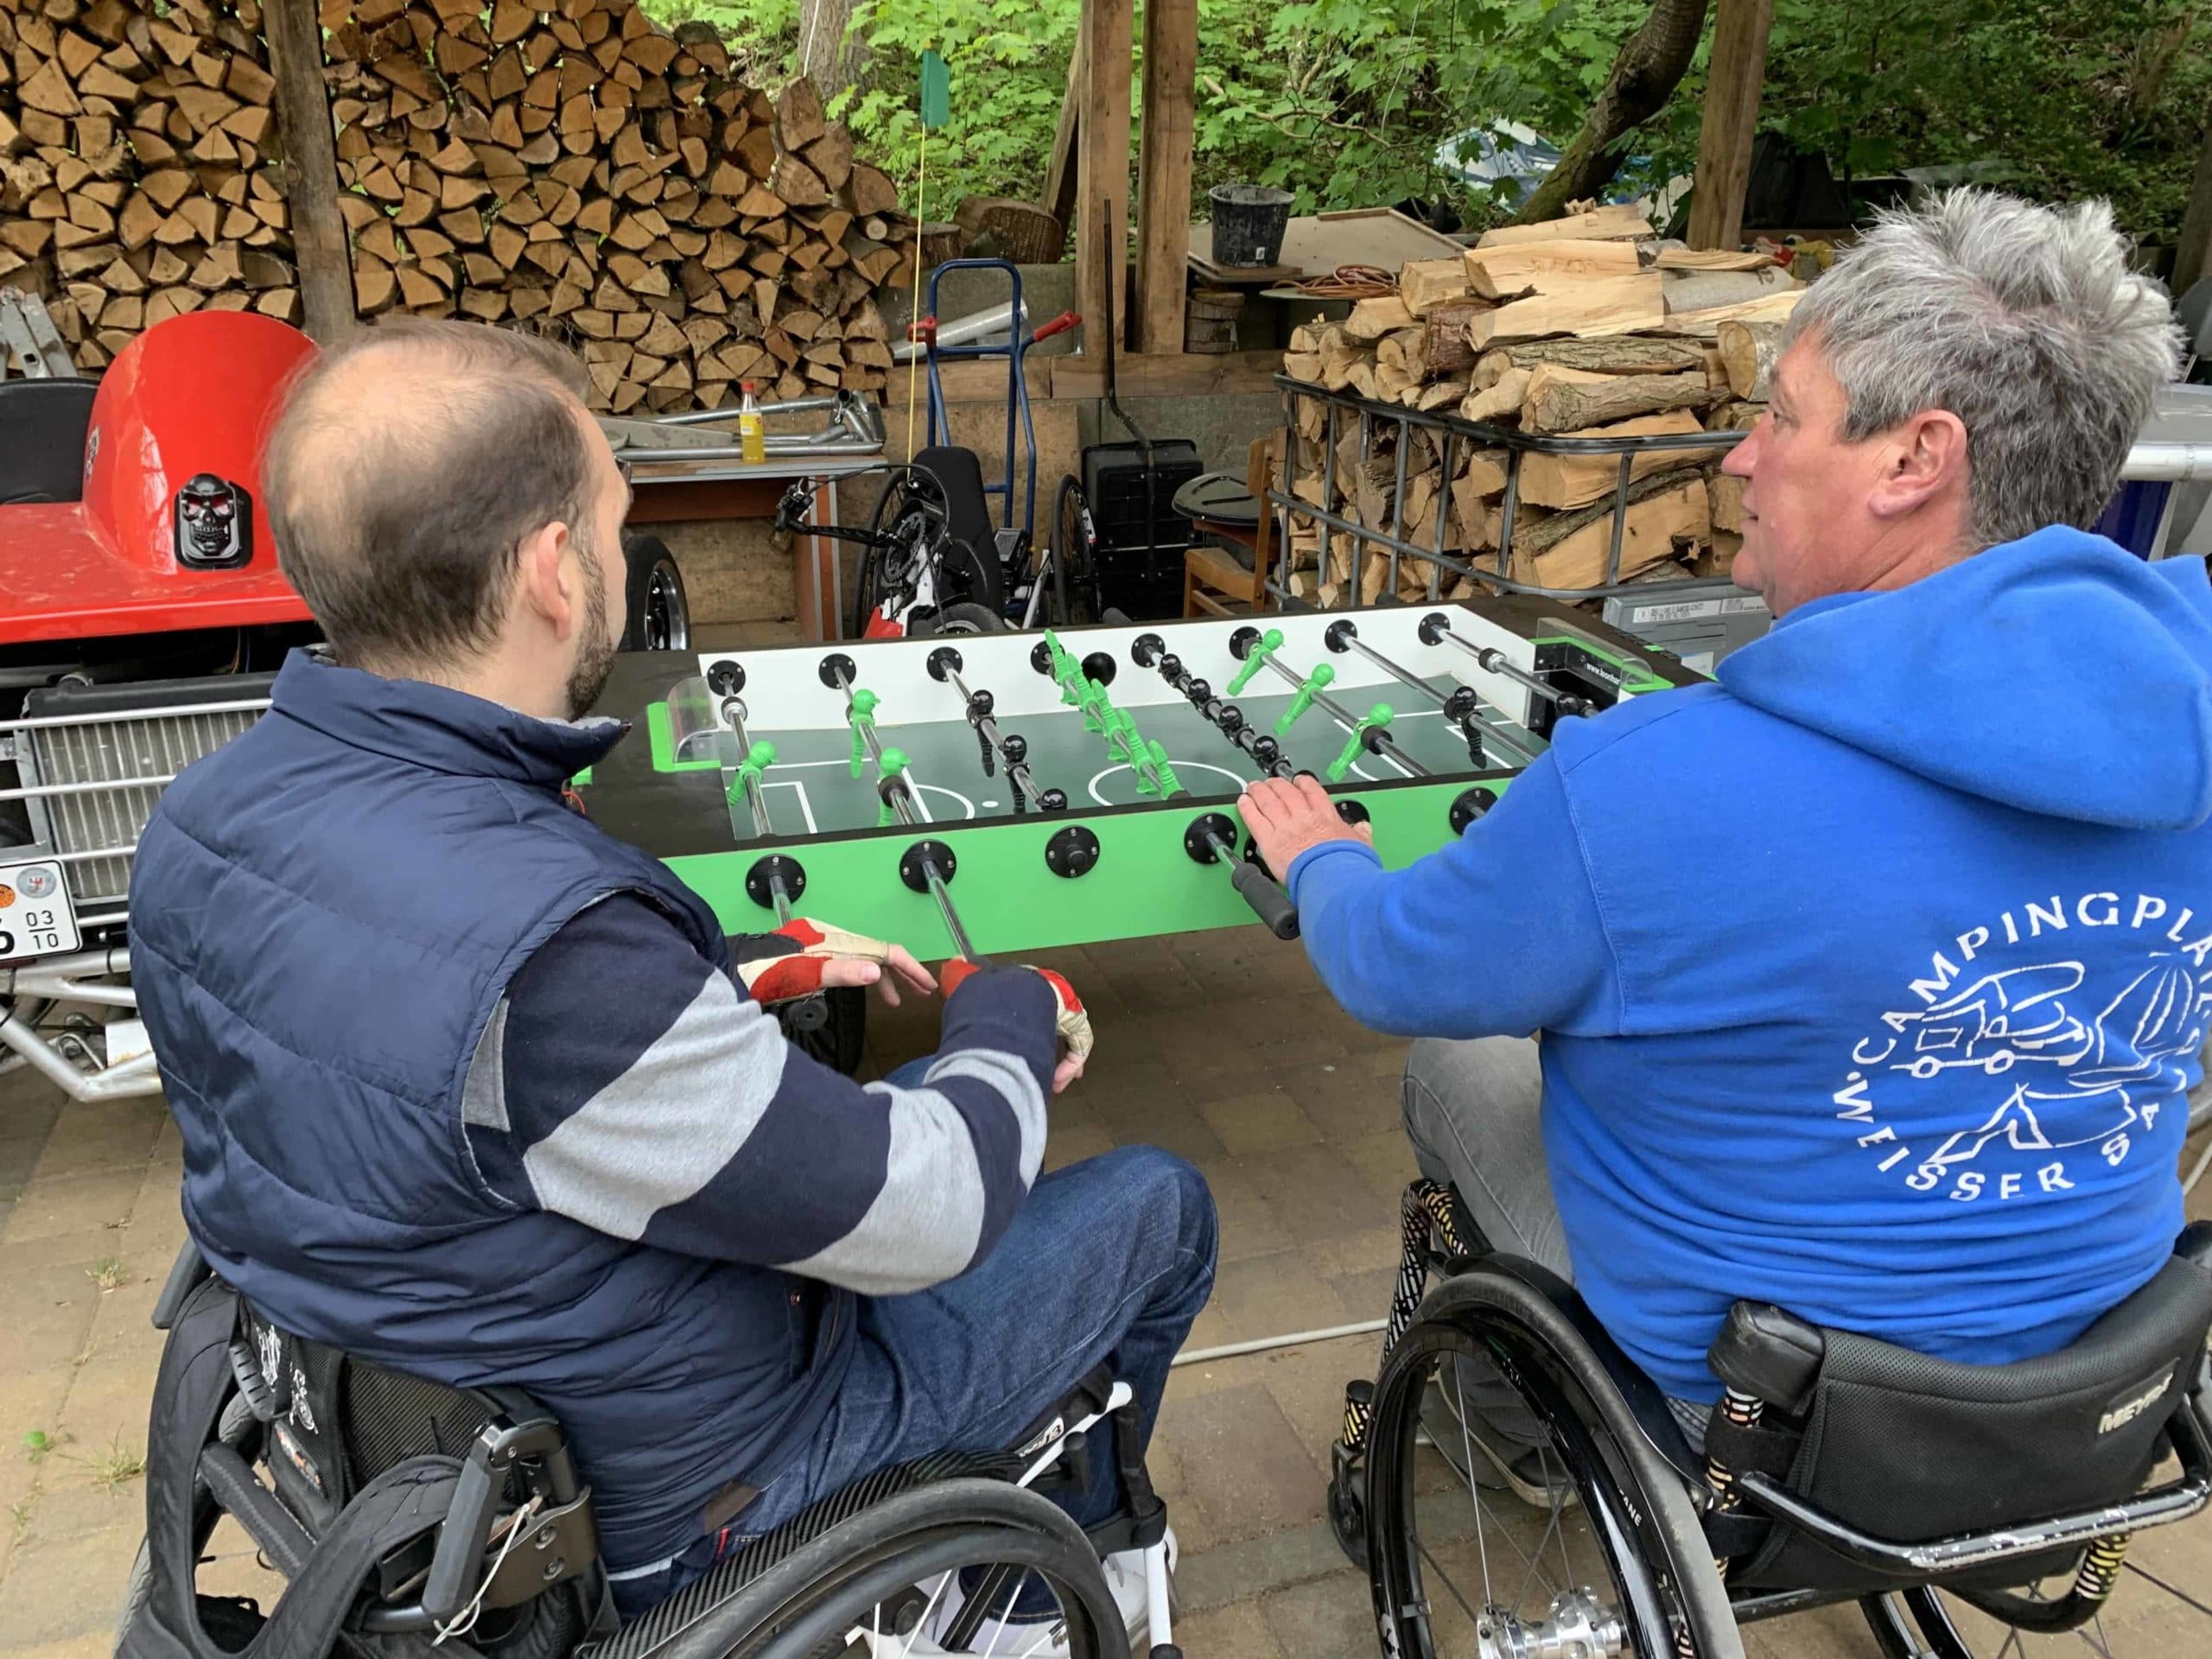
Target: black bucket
(1248, 223)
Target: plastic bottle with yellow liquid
(752, 431)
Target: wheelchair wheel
(1461, 1566)
(842, 1034)
(894, 1582)
(892, 503)
(1074, 598)
(2033, 1623)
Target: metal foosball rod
(1437, 627)
(897, 795)
(806, 1014)
(1012, 749)
(748, 777)
(1464, 706)
(1150, 650)
(1366, 727)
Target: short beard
(595, 662)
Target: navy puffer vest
(324, 914)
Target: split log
(1624, 222)
(1560, 399)
(1606, 306)
(1519, 268)
(1666, 514)
(1560, 482)
(1748, 351)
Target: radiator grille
(154, 747)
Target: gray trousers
(1473, 1113)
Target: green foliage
(1344, 102)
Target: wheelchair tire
(1642, 1533)
(1074, 598)
(657, 614)
(805, 1606)
(868, 576)
(839, 1040)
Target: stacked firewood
(1583, 328)
(577, 171)
(135, 182)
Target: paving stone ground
(1220, 1046)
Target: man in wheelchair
(472, 1093)
(1869, 981)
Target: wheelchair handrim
(1610, 1498)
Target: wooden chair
(1214, 582)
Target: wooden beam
(1059, 198)
(1171, 86)
(1214, 374)
(319, 241)
(1102, 210)
(1731, 119)
(2193, 255)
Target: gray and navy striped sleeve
(628, 1083)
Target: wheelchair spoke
(1452, 1589)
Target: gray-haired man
(1866, 974)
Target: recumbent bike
(1948, 1501)
(407, 1516)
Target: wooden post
(1102, 194)
(319, 241)
(1059, 198)
(2193, 255)
(1732, 118)
(1170, 75)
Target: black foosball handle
(1268, 901)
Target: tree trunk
(829, 53)
(1650, 65)
(2193, 258)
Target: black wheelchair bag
(1909, 1449)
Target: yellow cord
(914, 363)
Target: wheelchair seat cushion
(1911, 1448)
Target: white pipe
(2179, 463)
(996, 320)
(1264, 1344)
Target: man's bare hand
(904, 970)
(1288, 815)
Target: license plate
(35, 920)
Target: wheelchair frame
(488, 1551)
(1654, 1487)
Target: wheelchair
(407, 1517)
(1949, 1502)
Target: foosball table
(1002, 792)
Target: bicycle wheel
(1461, 1566)
(894, 502)
(890, 1583)
(1075, 565)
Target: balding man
(1871, 980)
(472, 1089)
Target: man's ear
(545, 584)
(1925, 458)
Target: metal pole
(902, 801)
(1494, 661)
(1433, 694)
(988, 726)
(1349, 722)
(734, 711)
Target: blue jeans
(1108, 1260)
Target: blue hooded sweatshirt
(1871, 979)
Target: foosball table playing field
(988, 793)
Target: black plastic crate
(1114, 483)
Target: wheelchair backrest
(337, 1421)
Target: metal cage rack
(1455, 439)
